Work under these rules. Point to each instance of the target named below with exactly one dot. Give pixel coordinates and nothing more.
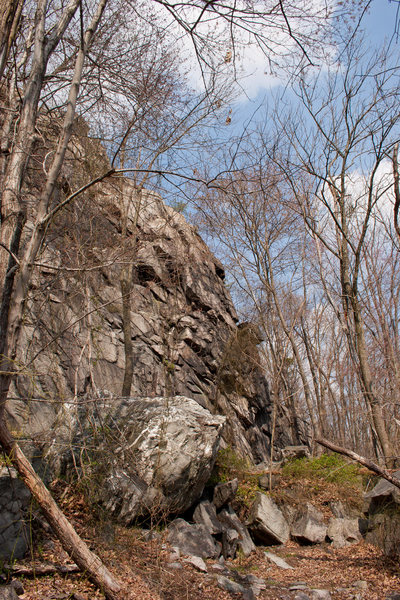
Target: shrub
(328, 467)
(229, 465)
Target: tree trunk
(10, 15)
(16, 271)
(77, 549)
(356, 337)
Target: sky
(381, 20)
(258, 87)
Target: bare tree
(349, 131)
(61, 60)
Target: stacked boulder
(217, 530)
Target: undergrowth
(328, 467)
(230, 465)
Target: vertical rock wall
(185, 337)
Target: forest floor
(358, 572)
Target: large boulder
(382, 508)
(157, 456)
(192, 540)
(266, 522)
(382, 495)
(343, 532)
(308, 526)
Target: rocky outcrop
(183, 326)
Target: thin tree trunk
(10, 16)
(14, 294)
(77, 549)
(351, 308)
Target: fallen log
(40, 569)
(360, 459)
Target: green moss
(328, 467)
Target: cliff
(184, 331)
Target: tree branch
(360, 459)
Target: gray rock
(338, 509)
(293, 452)
(298, 585)
(301, 596)
(278, 561)
(18, 586)
(220, 568)
(267, 524)
(320, 595)
(235, 588)
(14, 502)
(7, 592)
(197, 562)
(343, 532)
(257, 584)
(175, 565)
(308, 526)
(225, 493)
(384, 532)
(191, 539)
(230, 538)
(361, 584)
(206, 514)
(162, 456)
(393, 596)
(230, 519)
(264, 481)
(381, 495)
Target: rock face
(157, 457)
(183, 326)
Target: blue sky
(381, 20)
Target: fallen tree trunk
(77, 549)
(38, 570)
(360, 459)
